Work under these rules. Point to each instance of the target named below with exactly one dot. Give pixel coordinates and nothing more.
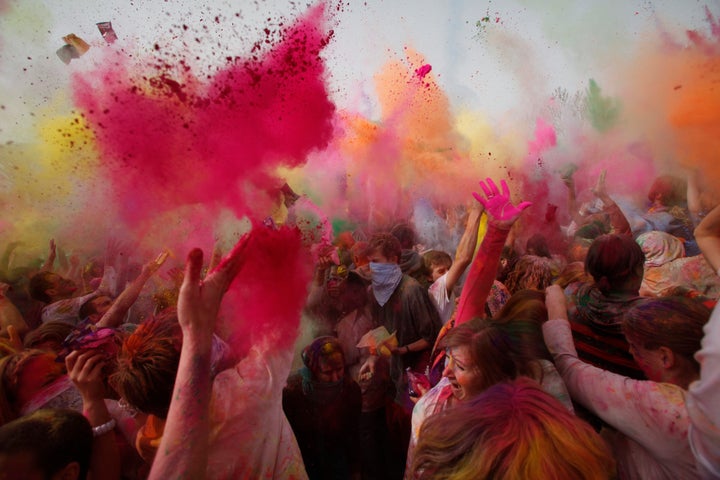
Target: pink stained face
(464, 377)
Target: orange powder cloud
(680, 84)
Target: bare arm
(466, 248)
(114, 316)
(5, 259)
(52, 253)
(694, 201)
(630, 406)
(85, 371)
(707, 234)
(569, 182)
(618, 221)
(415, 346)
(183, 451)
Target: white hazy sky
(526, 50)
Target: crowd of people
(584, 351)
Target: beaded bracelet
(104, 428)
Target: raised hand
(199, 300)
(85, 370)
(498, 205)
(183, 451)
(154, 265)
(600, 190)
(52, 253)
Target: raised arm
(183, 451)
(115, 315)
(85, 369)
(502, 214)
(628, 405)
(50, 261)
(618, 221)
(466, 247)
(707, 235)
(569, 180)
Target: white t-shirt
(444, 303)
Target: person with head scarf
(323, 407)
(667, 267)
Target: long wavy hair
(522, 318)
(513, 430)
(531, 272)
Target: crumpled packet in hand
(379, 341)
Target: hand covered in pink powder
(498, 205)
(199, 300)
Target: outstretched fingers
(193, 269)
(505, 188)
(231, 265)
(480, 199)
(493, 188)
(485, 188)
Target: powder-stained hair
(513, 430)
(388, 245)
(147, 365)
(53, 437)
(673, 322)
(54, 331)
(573, 272)
(433, 258)
(321, 347)
(531, 272)
(522, 318)
(538, 244)
(405, 234)
(614, 259)
(525, 305)
(672, 190)
(491, 350)
(17, 380)
(38, 285)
